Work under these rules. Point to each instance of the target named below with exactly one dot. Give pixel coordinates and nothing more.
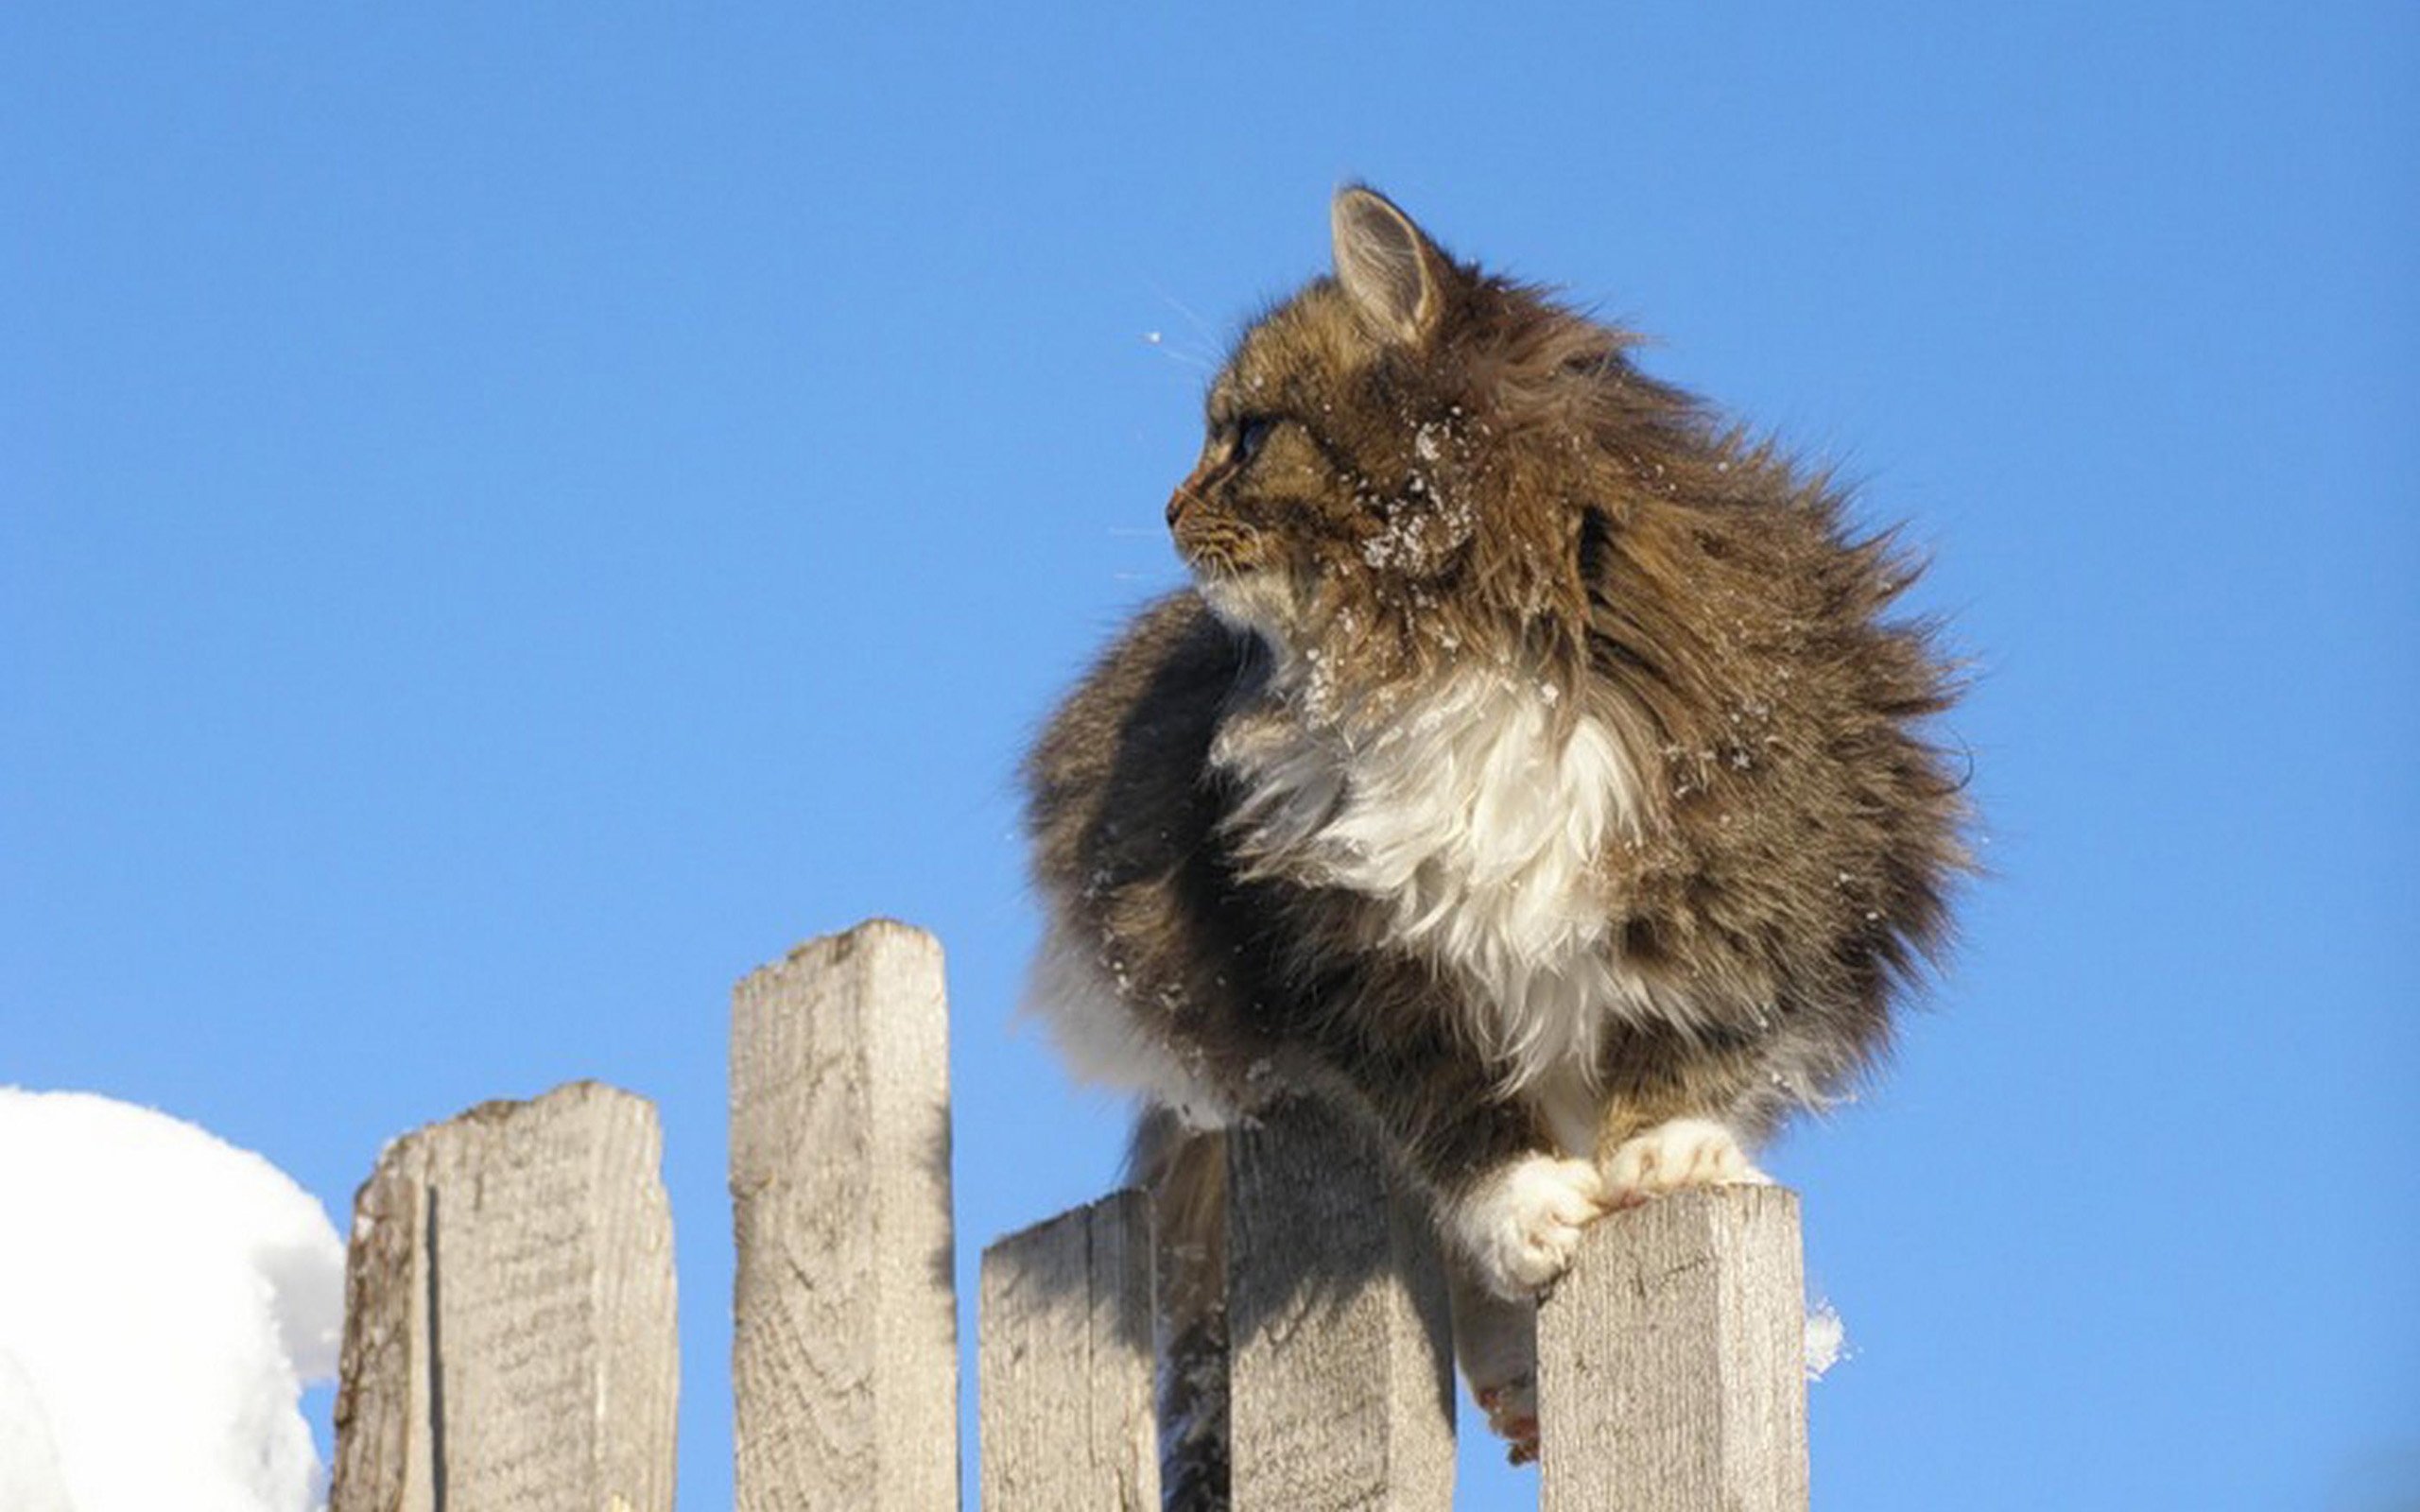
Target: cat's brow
(1253, 384)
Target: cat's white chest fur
(1475, 817)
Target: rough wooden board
(509, 1336)
(1066, 1398)
(1672, 1360)
(1189, 1323)
(383, 1443)
(844, 1353)
(1342, 1371)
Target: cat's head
(1394, 456)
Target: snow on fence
(509, 1336)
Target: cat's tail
(1185, 1172)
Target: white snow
(164, 1296)
(1824, 1337)
(29, 1477)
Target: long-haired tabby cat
(1531, 770)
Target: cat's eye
(1251, 433)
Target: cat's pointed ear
(1393, 273)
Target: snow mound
(164, 1296)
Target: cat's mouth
(1212, 547)
(1202, 539)
(1229, 565)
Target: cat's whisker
(1199, 325)
(1196, 361)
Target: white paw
(1685, 1152)
(1522, 1225)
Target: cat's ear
(1390, 269)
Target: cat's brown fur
(1466, 576)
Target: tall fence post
(1066, 1367)
(509, 1331)
(844, 1361)
(1341, 1372)
(1672, 1360)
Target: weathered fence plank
(1341, 1373)
(844, 1359)
(1672, 1360)
(509, 1331)
(1065, 1373)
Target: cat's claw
(1683, 1151)
(1522, 1226)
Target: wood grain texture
(509, 1336)
(1342, 1369)
(844, 1353)
(1066, 1369)
(383, 1443)
(1672, 1360)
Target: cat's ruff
(1474, 817)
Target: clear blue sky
(512, 515)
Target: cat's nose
(1177, 501)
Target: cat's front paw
(1521, 1226)
(1683, 1151)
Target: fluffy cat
(1532, 770)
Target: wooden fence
(509, 1338)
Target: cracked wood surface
(1672, 1360)
(510, 1336)
(1066, 1367)
(844, 1351)
(1341, 1358)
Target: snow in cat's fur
(1079, 998)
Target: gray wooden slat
(1342, 1367)
(511, 1338)
(1672, 1360)
(1067, 1372)
(845, 1360)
